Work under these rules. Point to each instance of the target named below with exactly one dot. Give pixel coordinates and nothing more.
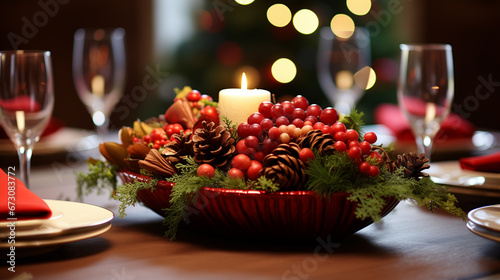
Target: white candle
(237, 104)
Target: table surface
(409, 243)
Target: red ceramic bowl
(250, 214)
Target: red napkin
(453, 127)
(486, 163)
(27, 204)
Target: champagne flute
(99, 71)
(425, 90)
(339, 61)
(26, 100)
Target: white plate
(465, 181)
(77, 218)
(64, 140)
(483, 232)
(487, 217)
(30, 224)
(58, 240)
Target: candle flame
(243, 81)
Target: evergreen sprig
(185, 194)
(354, 120)
(100, 176)
(331, 173)
(264, 184)
(127, 193)
(233, 128)
(335, 173)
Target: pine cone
(176, 150)
(284, 166)
(213, 145)
(317, 140)
(413, 165)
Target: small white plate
(483, 232)
(487, 217)
(465, 181)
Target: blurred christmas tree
(232, 38)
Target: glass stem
(24, 153)
(103, 129)
(424, 145)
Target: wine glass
(26, 100)
(425, 89)
(99, 71)
(339, 63)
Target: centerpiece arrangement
(288, 171)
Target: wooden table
(409, 243)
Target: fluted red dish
(250, 214)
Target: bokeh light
(253, 76)
(342, 26)
(365, 78)
(344, 79)
(284, 70)
(359, 7)
(210, 21)
(244, 2)
(279, 15)
(305, 21)
(98, 118)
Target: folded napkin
(453, 127)
(27, 204)
(486, 163)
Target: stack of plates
(70, 221)
(485, 222)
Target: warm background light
(365, 78)
(284, 70)
(342, 26)
(305, 21)
(244, 2)
(253, 76)
(344, 79)
(279, 15)
(359, 7)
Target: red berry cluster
(274, 124)
(242, 166)
(283, 122)
(360, 152)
